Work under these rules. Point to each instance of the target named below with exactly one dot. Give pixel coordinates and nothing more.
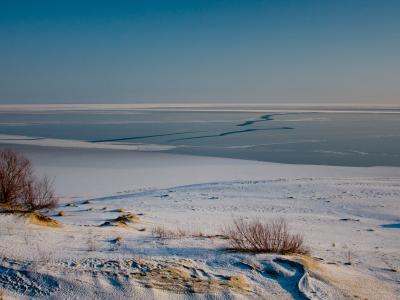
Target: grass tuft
(42, 220)
(123, 220)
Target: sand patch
(179, 279)
(350, 282)
(173, 277)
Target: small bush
(38, 194)
(264, 237)
(20, 188)
(15, 170)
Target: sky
(191, 51)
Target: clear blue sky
(316, 51)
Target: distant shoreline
(205, 107)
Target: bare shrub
(15, 170)
(39, 194)
(20, 188)
(272, 236)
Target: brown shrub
(264, 237)
(39, 194)
(20, 188)
(15, 170)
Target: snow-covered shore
(349, 217)
(85, 172)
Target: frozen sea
(321, 138)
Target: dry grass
(7, 208)
(272, 236)
(239, 282)
(42, 220)
(118, 239)
(127, 218)
(32, 217)
(199, 234)
(164, 233)
(123, 220)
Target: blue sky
(315, 51)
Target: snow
(346, 214)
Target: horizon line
(204, 107)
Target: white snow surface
(349, 217)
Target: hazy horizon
(239, 52)
(206, 106)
